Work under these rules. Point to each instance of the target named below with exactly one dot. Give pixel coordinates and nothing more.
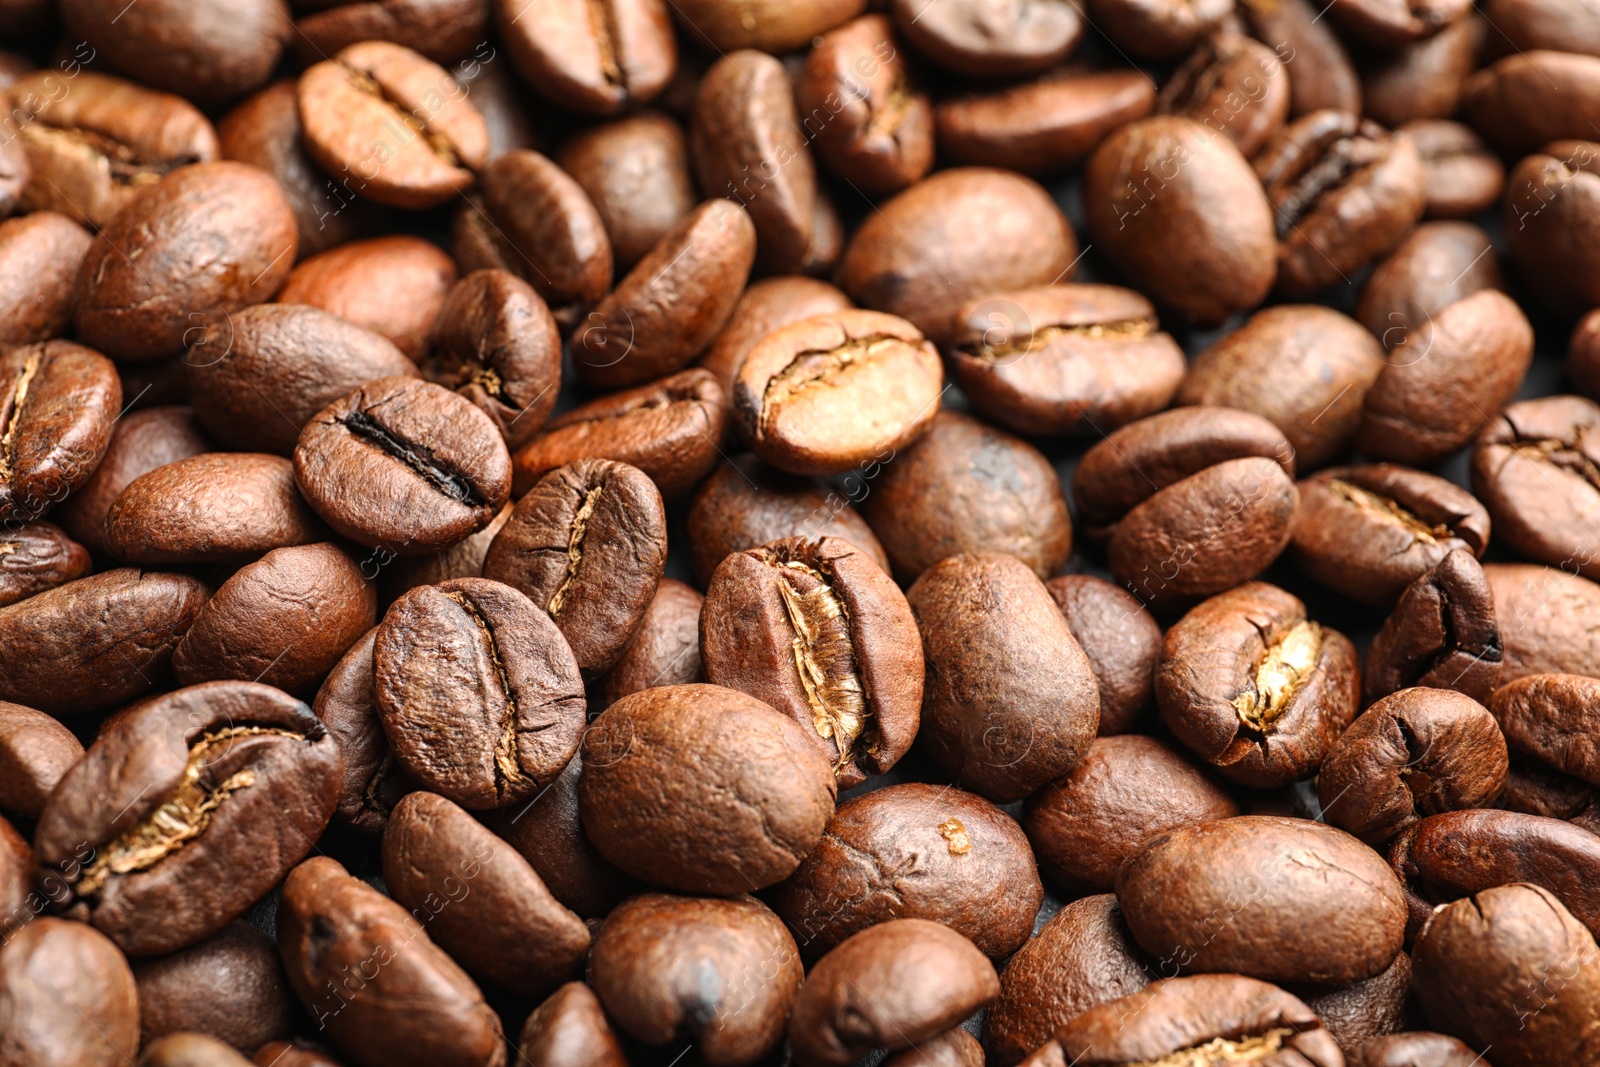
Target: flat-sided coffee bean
(1369, 531)
(1008, 704)
(141, 441)
(1304, 368)
(595, 59)
(347, 704)
(536, 222)
(1256, 689)
(1548, 717)
(1533, 98)
(636, 172)
(179, 992)
(1043, 126)
(770, 25)
(915, 851)
(18, 872)
(479, 695)
(669, 429)
(37, 556)
(58, 401)
(233, 777)
(703, 789)
(1232, 84)
(259, 377)
(478, 899)
(396, 121)
(67, 999)
(1197, 238)
(1463, 176)
(983, 40)
(1389, 24)
(442, 30)
(42, 252)
(217, 507)
(1442, 634)
(1534, 468)
(966, 487)
(938, 977)
(1549, 620)
(587, 545)
(206, 51)
(1120, 638)
(95, 143)
(1513, 971)
(765, 306)
(1126, 791)
(294, 1053)
(1359, 1011)
(1553, 196)
(672, 304)
(570, 1030)
(720, 973)
(93, 644)
(403, 465)
(1438, 264)
(1441, 388)
(1416, 1048)
(189, 1050)
(954, 236)
(1422, 79)
(417, 1007)
(1065, 358)
(35, 751)
(284, 620)
(1215, 1017)
(665, 649)
(393, 286)
(1324, 77)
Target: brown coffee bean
(1390, 24)
(665, 649)
(37, 556)
(92, 644)
(394, 286)
(399, 123)
(1120, 638)
(672, 304)
(1546, 716)
(1583, 355)
(1533, 468)
(35, 751)
(189, 1050)
(18, 871)
(915, 851)
(42, 252)
(1551, 199)
(1532, 98)
(1512, 970)
(348, 705)
(596, 60)
(587, 545)
(953, 1048)
(1304, 368)
(1232, 84)
(1418, 1048)
(986, 40)
(229, 776)
(636, 172)
(954, 236)
(1438, 264)
(720, 973)
(1549, 620)
(500, 98)
(1421, 79)
(1527, 25)
(206, 51)
(1256, 689)
(1355, 1013)
(67, 999)
(179, 992)
(702, 789)
(417, 1008)
(442, 30)
(1535, 789)
(769, 25)
(58, 401)
(1126, 791)
(1442, 633)
(570, 1030)
(294, 1053)
(1158, 31)
(767, 305)
(669, 429)
(1440, 388)
(1008, 704)
(95, 142)
(1323, 74)
(478, 695)
(1463, 176)
(1369, 531)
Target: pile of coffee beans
(578, 533)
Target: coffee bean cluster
(577, 533)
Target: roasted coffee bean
(94, 143)
(15, 170)
(1463, 176)
(1042, 126)
(1512, 970)
(953, 1048)
(1438, 264)
(179, 992)
(986, 40)
(1359, 1011)
(140, 442)
(1343, 192)
(720, 973)
(702, 789)
(1155, 32)
(1417, 1048)
(1583, 355)
(586, 545)
(1532, 98)
(767, 305)
(1369, 531)
(570, 1029)
(938, 978)
(207, 51)
(1535, 789)
(1008, 704)
(672, 304)
(1549, 620)
(1527, 25)
(1550, 210)
(665, 649)
(37, 556)
(348, 705)
(1440, 388)
(442, 30)
(915, 851)
(1120, 638)
(67, 999)
(416, 1008)
(536, 222)
(596, 60)
(478, 694)
(500, 98)
(284, 620)
(394, 286)
(1546, 716)
(1534, 468)
(35, 751)
(1126, 791)
(92, 644)
(1421, 79)
(1443, 634)
(669, 429)
(1214, 1018)
(217, 507)
(1231, 84)
(1306, 369)
(42, 252)
(18, 870)
(229, 776)
(1256, 689)
(58, 401)
(770, 25)
(479, 899)
(189, 1050)
(952, 237)
(1389, 24)
(293, 1054)
(1323, 74)
(1198, 236)
(404, 466)
(635, 171)
(396, 122)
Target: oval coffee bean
(1549, 620)
(1122, 641)
(58, 401)
(35, 751)
(569, 1028)
(596, 60)
(178, 992)
(1158, 31)
(67, 999)
(636, 173)
(1533, 98)
(1547, 716)
(1324, 77)
(1387, 24)
(189, 1050)
(985, 40)
(1463, 176)
(1438, 264)
(42, 251)
(18, 874)
(442, 30)
(1534, 468)
(207, 51)
(766, 305)
(233, 777)
(1235, 85)
(665, 649)
(1443, 634)
(1418, 1048)
(1551, 196)
(1422, 79)
(347, 704)
(703, 789)
(1583, 355)
(37, 556)
(393, 286)
(1357, 1011)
